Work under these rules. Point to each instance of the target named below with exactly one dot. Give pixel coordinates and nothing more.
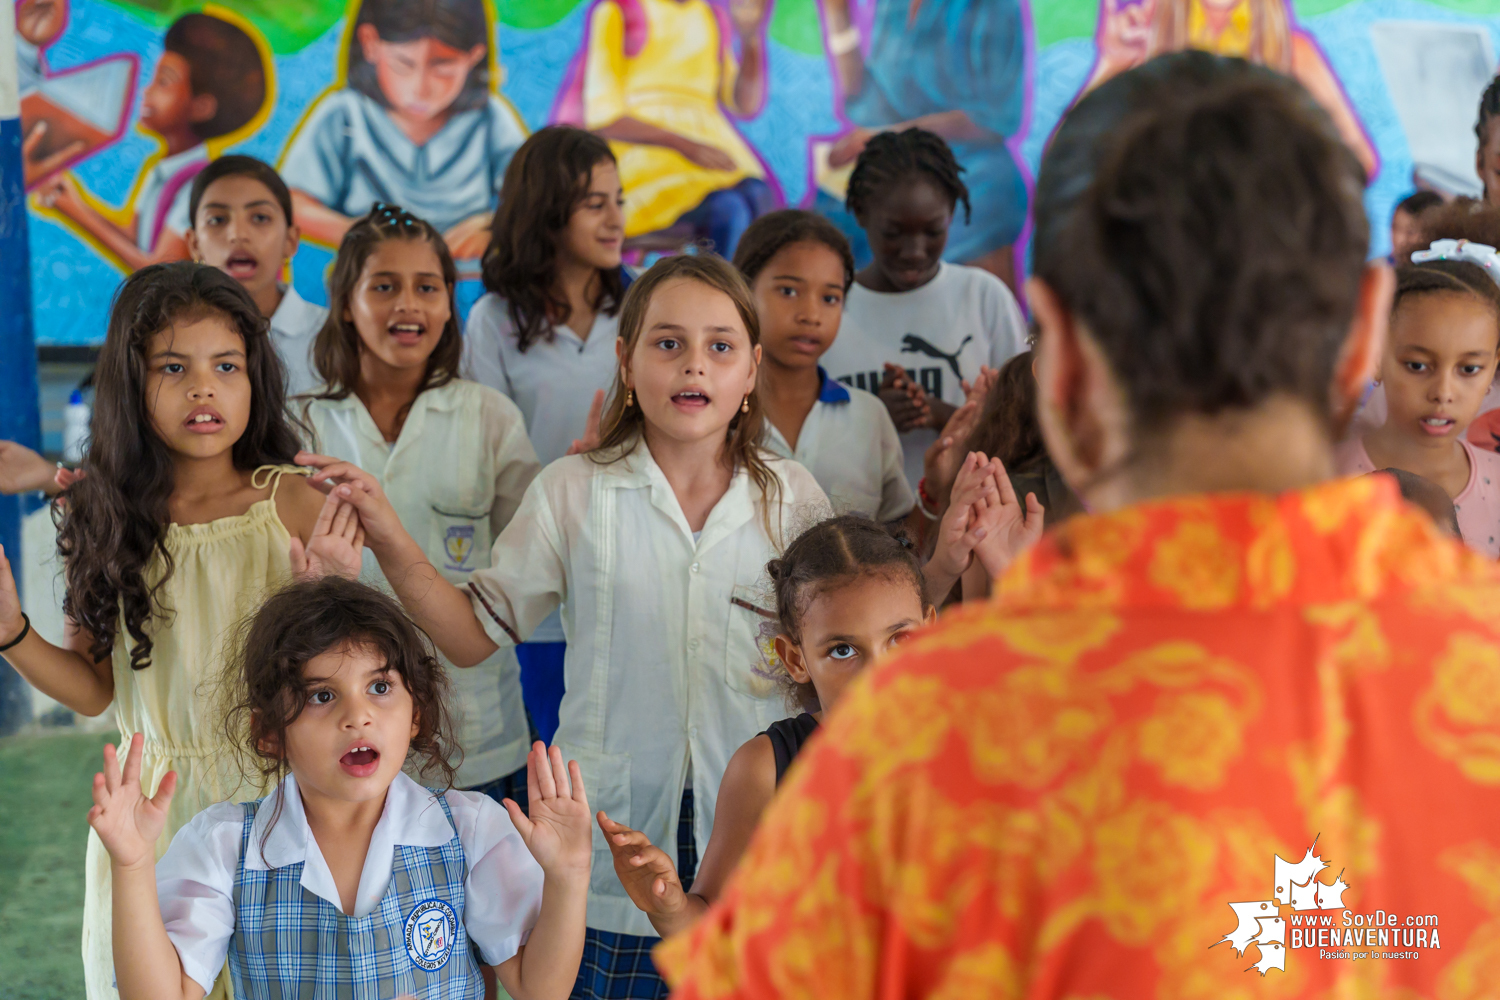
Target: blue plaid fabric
(619, 966)
(289, 943)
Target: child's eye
(380, 687)
(320, 697)
(1471, 369)
(788, 291)
(1416, 367)
(721, 347)
(173, 368)
(428, 288)
(261, 218)
(381, 286)
(214, 220)
(842, 651)
(832, 300)
(226, 367)
(668, 344)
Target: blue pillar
(20, 414)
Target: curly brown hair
(115, 519)
(264, 690)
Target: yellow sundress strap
(270, 475)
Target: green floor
(44, 803)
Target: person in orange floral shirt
(1236, 734)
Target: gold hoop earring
(629, 398)
(745, 405)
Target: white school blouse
(665, 666)
(940, 333)
(455, 476)
(195, 878)
(851, 447)
(552, 381)
(294, 327)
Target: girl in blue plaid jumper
(350, 880)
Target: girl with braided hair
(917, 329)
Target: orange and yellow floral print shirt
(1290, 704)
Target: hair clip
(1464, 250)
(393, 214)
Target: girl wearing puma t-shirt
(915, 327)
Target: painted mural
(718, 110)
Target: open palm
(127, 822)
(336, 546)
(1010, 525)
(559, 830)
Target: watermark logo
(1314, 913)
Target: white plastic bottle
(76, 417)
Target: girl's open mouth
(407, 334)
(1438, 426)
(361, 762)
(691, 400)
(204, 420)
(241, 266)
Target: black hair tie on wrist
(25, 631)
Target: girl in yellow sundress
(183, 521)
(1262, 31)
(657, 79)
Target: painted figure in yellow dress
(658, 78)
(1262, 31)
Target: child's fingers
(575, 774)
(111, 768)
(546, 781)
(533, 778)
(101, 792)
(132, 775)
(340, 527)
(655, 860)
(298, 555)
(519, 818)
(324, 523)
(559, 772)
(165, 791)
(359, 536)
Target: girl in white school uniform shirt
(451, 455)
(242, 224)
(656, 539)
(349, 877)
(799, 267)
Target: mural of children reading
(209, 82)
(1262, 31)
(658, 77)
(953, 67)
(416, 123)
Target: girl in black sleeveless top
(846, 591)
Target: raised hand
(558, 832)
(336, 546)
(355, 486)
(1010, 527)
(23, 470)
(644, 869)
(904, 399)
(127, 822)
(590, 439)
(979, 389)
(943, 457)
(964, 525)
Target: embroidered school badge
(458, 543)
(430, 929)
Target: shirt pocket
(606, 779)
(460, 541)
(751, 666)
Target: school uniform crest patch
(458, 543)
(431, 929)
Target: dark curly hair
(337, 348)
(1462, 219)
(544, 184)
(832, 552)
(1202, 218)
(890, 157)
(774, 230)
(264, 691)
(1489, 109)
(1007, 427)
(115, 518)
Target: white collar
(295, 316)
(638, 469)
(411, 817)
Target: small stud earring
(629, 398)
(745, 405)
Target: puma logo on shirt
(913, 344)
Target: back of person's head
(1419, 202)
(891, 157)
(1201, 219)
(832, 554)
(1461, 219)
(236, 165)
(336, 350)
(224, 63)
(1429, 496)
(1007, 427)
(264, 688)
(116, 516)
(545, 183)
(770, 233)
